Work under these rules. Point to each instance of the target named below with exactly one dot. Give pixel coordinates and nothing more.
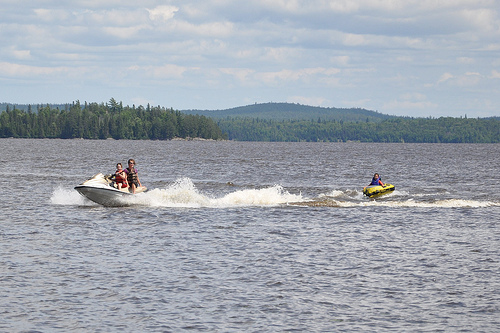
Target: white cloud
(19, 54)
(414, 96)
(410, 101)
(445, 77)
(308, 100)
(340, 60)
(399, 106)
(495, 74)
(464, 80)
(114, 17)
(162, 13)
(303, 74)
(354, 40)
(325, 51)
(485, 20)
(123, 32)
(465, 60)
(17, 71)
(51, 15)
(242, 74)
(167, 71)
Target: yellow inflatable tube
(374, 191)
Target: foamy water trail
(396, 199)
(183, 193)
(68, 197)
(259, 197)
(448, 203)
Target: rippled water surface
(251, 237)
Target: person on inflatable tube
(376, 180)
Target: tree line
(113, 120)
(103, 121)
(422, 130)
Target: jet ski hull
(103, 196)
(101, 189)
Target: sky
(418, 58)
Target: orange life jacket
(120, 179)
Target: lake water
(251, 237)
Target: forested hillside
(445, 130)
(113, 120)
(103, 121)
(290, 111)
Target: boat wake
(184, 193)
(395, 199)
(410, 203)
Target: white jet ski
(103, 190)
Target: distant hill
(259, 122)
(290, 111)
(268, 111)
